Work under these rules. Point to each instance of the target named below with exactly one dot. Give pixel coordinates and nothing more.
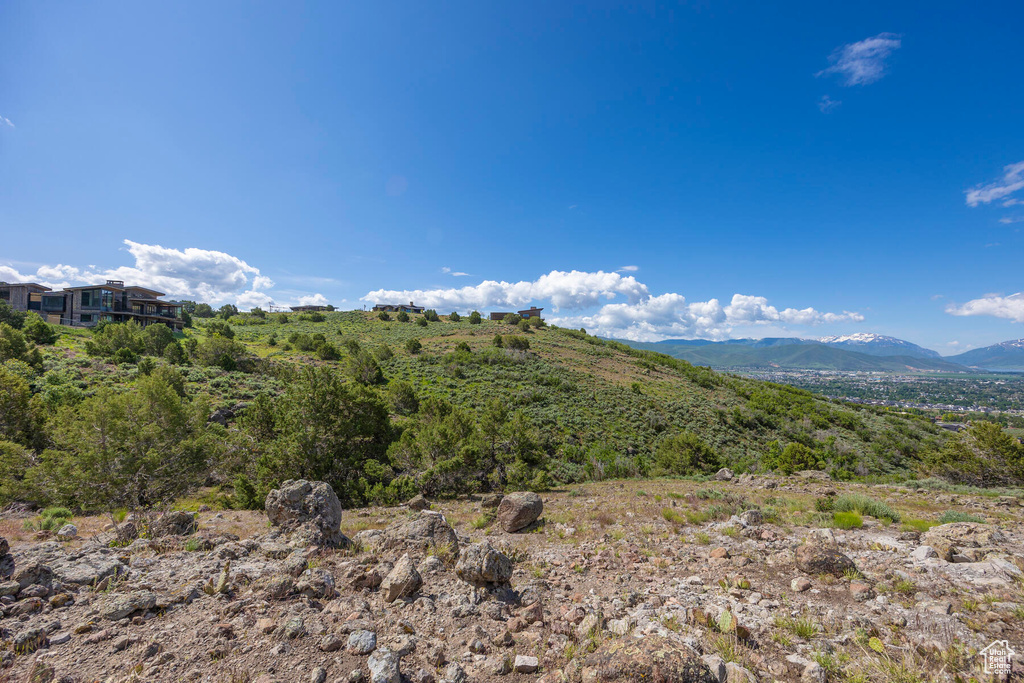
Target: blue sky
(705, 169)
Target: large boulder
(174, 523)
(481, 565)
(819, 559)
(427, 531)
(653, 658)
(519, 510)
(968, 541)
(724, 474)
(309, 509)
(402, 581)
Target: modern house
(531, 312)
(29, 296)
(310, 308)
(399, 308)
(87, 305)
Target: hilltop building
(399, 308)
(89, 304)
(531, 312)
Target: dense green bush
(454, 317)
(983, 455)
(685, 453)
(474, 318)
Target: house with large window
(399, 308)
(89, 304)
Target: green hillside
(798, 356)
(350, 398)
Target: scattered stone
(923, 552)
(719, 553)
(384, 667)
(519, 510)
(652, 658)
(724, 474)
(311, 510)
(427, 531)
(861, 591)
(68, 532)
(525, 664)
(402, 581)
(175, 523)
(968, 539)
(418, 503)
(482, 565)
(800, 584)
(330, 643)
(752, 517)
(815, 560)
(491, 501)
(121, 605)
(361, 642)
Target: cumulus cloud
(573, 290)
(613, 305)
(670, 315)
(862, 62)
(313, 300)
(204, 275)
(1012, 180)
(1009, 307)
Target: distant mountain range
(862, 351)
(1005, 356)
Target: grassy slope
(579, 391)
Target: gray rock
(121, 605)
(816, 560)
(67, 532)
(294, 628)
(491, 501)
(87, 570)
(311, 510)
(427, 531)
(174, 523)
(361, 642)
(453, 673)
(31, 573)
(480, 565)
(418, 503)
(724, 474)
(402, 581)
(319, 675)
(5, 547)
(519, 510)
(316, 583)
(525, 664)
(384, 667)
(752, 517)
(923, 552)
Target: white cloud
(628, 269)
(1009, 307)
(6, 121)
(313, 300)
(204, 275)
(827, 105)
(454, 273)
(862, 62)
(1012, 180)
(1012, 202)
(624, 306)
(573, 290)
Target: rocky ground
(734, 580)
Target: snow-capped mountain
(878, 345)
(1007, 355)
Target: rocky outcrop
(310, 510)
(418, 503)
(519, 510)
(481, 565)
(653, 658)
(963, 541)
